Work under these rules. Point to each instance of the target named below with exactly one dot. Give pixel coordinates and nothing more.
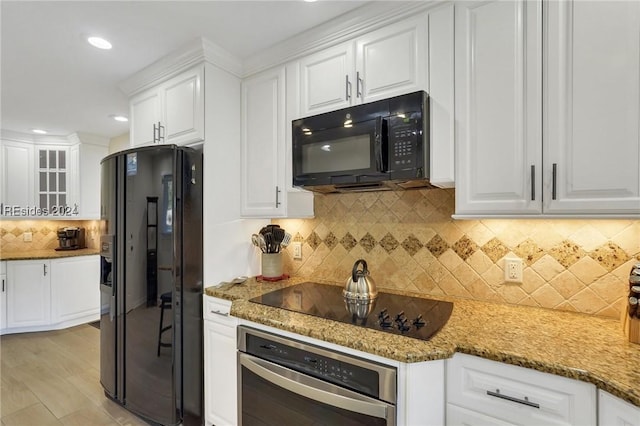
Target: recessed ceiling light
(39, 131)
(119, 118)
(99, 42)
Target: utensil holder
(272, 265)
(631, 326)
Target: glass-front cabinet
(52, 178)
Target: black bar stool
(165, 303)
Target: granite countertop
(578, 346)
(46, 254)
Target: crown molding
(89, 139)
(366, 18)
(371, 16)
(193, 53)
(11, 135)
(72, 139)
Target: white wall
(119, 143)
(227, 250)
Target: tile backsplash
(410, 242)
(44, 234)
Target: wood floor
(53, 378)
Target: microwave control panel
(404, 149)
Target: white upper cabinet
(51, 177)
(592, 107)
(267, 107)
(184, 107)
(171, 113)
(442, 96)
(383, 63)
(17, 174)
(88, 179)
(498, 107)
(144, 114)
(563, 140)
(392, 60)
(262, 144)
(325, 79)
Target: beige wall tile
(587, 270)
(547, 267)
(567, 284)
(547, 297)
(588, 302)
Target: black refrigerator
(151, 283)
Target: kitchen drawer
(463, 417)
(216, 309)
(518, 395)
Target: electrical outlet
(513, 270)
(297, 249)
(27, 237)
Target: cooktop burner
(407, 316)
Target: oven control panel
(337, 371)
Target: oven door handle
(311, 388)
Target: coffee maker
(71, 238)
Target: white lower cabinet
(28, 293)
(612, 411)
(220, 365)
(3, 296)
(465, 417)
(480, 391)
(50, 294)
(75, 293)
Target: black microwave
(367, 147)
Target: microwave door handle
(377, 144)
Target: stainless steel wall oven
(287, 382)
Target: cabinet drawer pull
(277, 197)
(347, 88)
(533, 182)
(44, 266)
(359, 84)
(222, 314)
(524, 401)
(160, 132)
(3, 285)
(553, 183)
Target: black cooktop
(403, 315)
